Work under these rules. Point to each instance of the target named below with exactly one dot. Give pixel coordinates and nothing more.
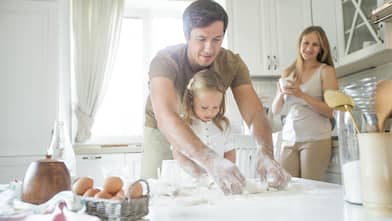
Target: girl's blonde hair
(324, 55)
(202, 81)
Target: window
(119, 119)
(121, 115)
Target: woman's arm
(278, 101)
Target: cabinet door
(283, 21)
(361, 43)
(133, 166)
(244, 33)
(324, 15)
(99, 166)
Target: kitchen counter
(304, 200)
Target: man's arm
(165, 106)
(252, 112)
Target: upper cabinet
(324, 15)
(362, 44)
(265, 32)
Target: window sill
(107, 149)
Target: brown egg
(81, 185)
(135, 190)
(91, 192)
(120, 195)
(113, 184)
(103, 195)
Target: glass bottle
(61, 149)
(349, 157)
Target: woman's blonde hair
(202, 81)
(324, 55)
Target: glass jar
(349, 157)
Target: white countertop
(304, 200)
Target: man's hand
(271, 172)
(225, 173)
(188, 165)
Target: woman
(306, 133)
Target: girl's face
(310, 46)
(206, 104)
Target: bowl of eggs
(113, 200)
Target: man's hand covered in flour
(271, 172)
(188, 165)
(225, 174)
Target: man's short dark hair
(202, 13)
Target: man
(204, 24)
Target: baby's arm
(230, 155)
(187, 164)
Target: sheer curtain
(96, 30)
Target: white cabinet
(100, 166)
(282, 23)
(15, 167)
(324, 15)
(362, 44)
(265, 33)
(33, 55)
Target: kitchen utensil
(383, 102)
(43, 179)
(340, 101)
(376, 170)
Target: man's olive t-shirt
(172, 63)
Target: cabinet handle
(269, 62)
(275, 61)
(335, 54)
(92, 158)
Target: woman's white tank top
(303, 123)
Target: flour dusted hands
(225, 174)
(271, 172)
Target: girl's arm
(230, 155)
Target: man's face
(204, 44)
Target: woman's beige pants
(307, 159)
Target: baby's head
(204, 97)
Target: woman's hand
(293, 89)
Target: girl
(203, 109)
(306, 133)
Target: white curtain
(96, 29)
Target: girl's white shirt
(218, 140)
